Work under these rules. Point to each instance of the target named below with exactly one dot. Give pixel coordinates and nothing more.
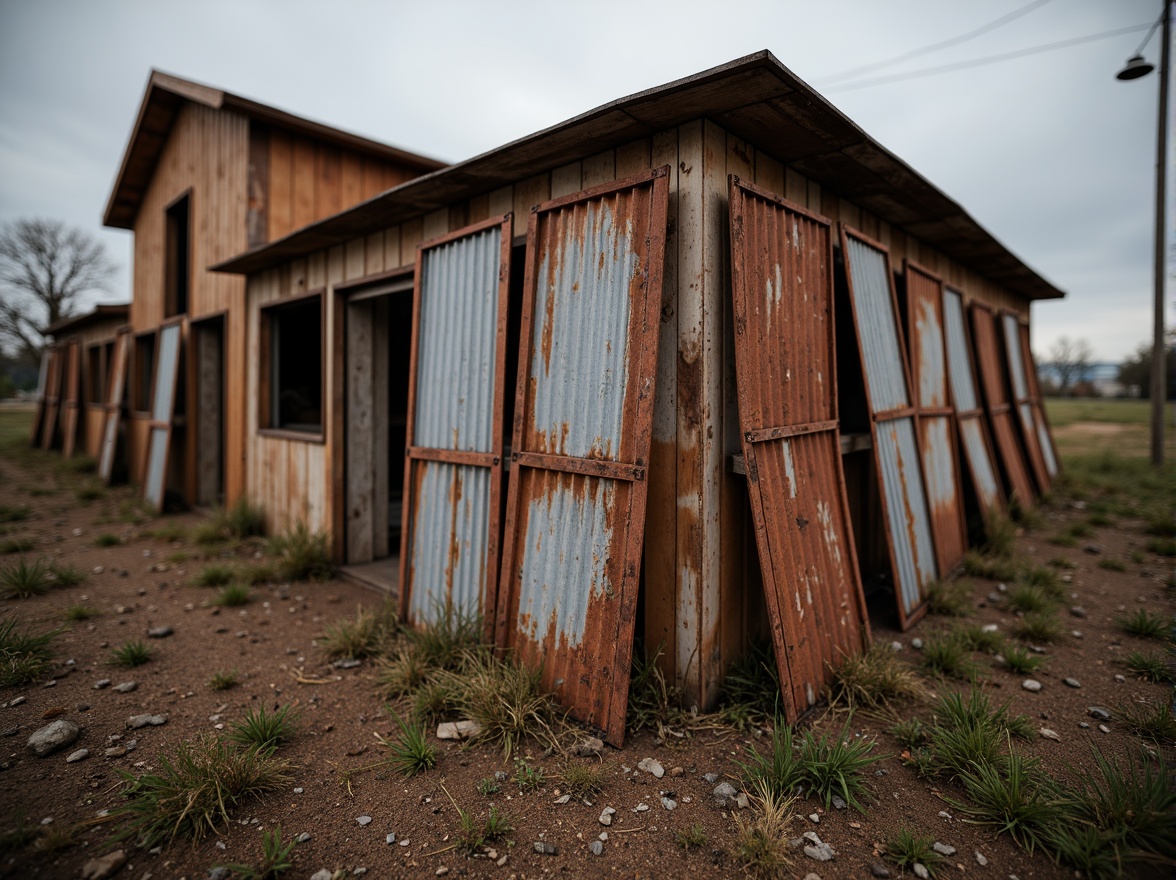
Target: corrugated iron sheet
(896, 449)
(936, 416)
(42, 386)
(453, 472)
(782, 290)
(974, 438)
(163, 395)
(52, 397)
(1044, 432)
(72, 403)
(583, 417)
(989, 364)
(1025, 414)
(112, 403)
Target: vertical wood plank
(598, 169)
(769, 172)
(373, 254)
(529, 192)
(633, 158)
(303, 183)
(478, 208)
(392, 248)
(795, 186)
(436, 224)
(502, 200)
(565, 180)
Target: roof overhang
(161, 103)
(102, 312)
(755, 98)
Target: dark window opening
(295, 366)
(95, 378)
(144, 367)
(177, 269)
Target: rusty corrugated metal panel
(936, 416)
(583, 417)
(163, 397)
(1021, 400)
(782, 289)
(72, 403)
(116, 381)
(1044, 432)
(974, 438)
(52, 397)
(453, 470)
(896, 448)
(992, 380)
(42, 387)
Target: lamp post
(1137, 67)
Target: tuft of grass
(24, 579)
(750, 693)
(402, 673)
(277, 857)
(582, 780)
(1112, 563)
(1021, 660)
(216, 575)
(1151, 666)
(258, 573)
(910, 733)
(232, 596)
(977, 638)
(19, 835)
(170, 532)
(1027, 599)
(1045, 579)
(242, 520)
(223, 680)
(1000, 536)
(1162, 546)
(968, 732)
(265, 730)
(106, 539)
(1016, 798)
(1038, 627)
(90, 492)
(411, 752)
(653, 702)
(834, 765)
(950, 598)
(78, 613)
(946, 654)
(489, 787)
(779, 772)
(1063, 540)
(761, 843)
(528, 777)
(23, 655)
(64, 575)
(16, 545)
(1061, 563)
(873, 679)
(353, 639)
(906, 848)
(194, 790)
(448, 638)
(1144, 624)
(10, 513)
(1149, 721)
(435, 700)
(302, 554)
(690, 838)
(131, 653)
(1100, 519)
(472, 835)
(55, 838)
(993, 568)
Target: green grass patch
(947, 655)
(106, 539)
(874, 679)
(302, 554)
(1145, 625)
(1021, 660)
(223, 680)
(131, 653)
(950, 598)
(216, 575)
(232, 596)
(24, 579)
(1037, 627)
(78, 613)
(907, 848)
(16, 545)
(411, 752)
(23, 654)
(264, 729)
(1152, 666)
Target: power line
(980, 62)
(934, 47)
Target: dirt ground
(144, 582)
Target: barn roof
(756, 98)
(101, 312)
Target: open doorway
(208, 380)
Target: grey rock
(1071, 682)
(115, 752)
(79, 755)
(1046, 733)
(917, 644)
(346, 663)
(596, 848)
(822, 853)
(500, 776)
(812, 837)
(669, 803)
(1084, 725)
(920, 871)
(53, 737)
(588, 747)
(101, 683)
(741, 801)
(1098, 713)
(1092, 549)
(1104, 729)
(641, 808)
(944, 849)
(838, 803)
(814, 818)
(148, 720)
(390, 838)
(652, 765)
(879, 870)
(458, 730)
(896, 646)
(12, 731)
(303, 837)
(546, 849)
(710, 778)
(606, 816)
(106, 866)
(980, 859)
(125, 687)
(322, 874)
(219, 872)
(811, 876)
(1078, 611)
(16, 701)
(1120, 678)
(298, 790)
(1030, 684)
(159, 632)
(563, 799)
(363, 820)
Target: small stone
(53, 737)
(669, 803)
(440, 872)
(606, 816)
(404, 842)
(458, 730)
(1104, 728)
(811, 876)
(822, 853)
(101, 683)
(917, 644)
(1050, 734)
(322, 874)
(920, 871)
(1071, 682)
(1077, 611)
(677, 772)
(219, 872)
(125, 687)
(1120, 678)
(390, 838)
(563, 799)
(838, 803)
(990, 628)
(115, 752)
(603, 835)
(741, 801)
(1076, 633)
(1092, 549)
(710, 778)
(1084, 725)
(546, 849)
(724, 793)
(879, 870)
(1030, 684)
(980, 859)
(159, 632)
(346, 663)
(944, 814)
(363, 820)
(107, 866)
(652, 765)
(79, 755)
(148, 720)
(588, 747)
(303, 837)
(641, 808)
(596, 848)
(298, 790)
(896, 646)
(1098, 713)
(944, 849)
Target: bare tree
(45, 269)
(1070, 359)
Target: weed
(20, 835)
(905, 848)
(23, 655)
(232, 596)
(90, 492)
(780, 772)
(761, 843)
(993, 568)
(924, 761)
(1038, 627)
(401, 674)
(265, 730)
(434, 700)
(1144, 624)
(471, 835)
(581, 780)
(1111, 563)
(1026, 598)
(258, 573)
(1017, 799)
(24, 579)
(497, 824)
(16, 545)
(1162, 546)
(1000, 536)
(833, 765)
(977, 638)
(352, 639)
(653, 703)
(910, 733)
(303, 554)
(947, 655)
(751, 691)
(277, 857)
(528, 777)
(106, 539)
(1025, 515)
(968, 732)
(78, 613)
(1100, 519)
(1045, 579)
(449, 637)
(411, 752)
(215, 575)
(131, 653)
(14, 513)
(690, 838)
(1061, 563)
(1151, 666)
(55, 838)
(488, 787)
(170, 532)
(242, 520)
(64, 575)
(1161, 523)
(1149, 721)
(1063, 540)
(223, 680)
(194, 789)
(1021, 660)
(874, 678)
(950, 598)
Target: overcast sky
(1047, 151)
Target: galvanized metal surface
(974, 439)
(990, 367)
(583, 418)
(782, 290)
(1044, 432)
(935, 416)
(116, 381)
(453, 472)
(896, 448)
(163, 395)
(1026, 417)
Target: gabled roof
(756, 98)
(102, 312)
(161, 103)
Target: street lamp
(1137, 67)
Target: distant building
(1097, 380)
